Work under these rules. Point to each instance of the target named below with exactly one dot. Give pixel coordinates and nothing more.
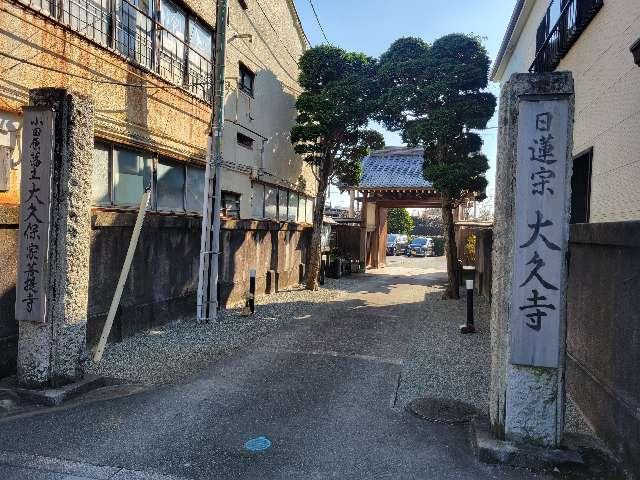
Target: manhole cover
(442, 411)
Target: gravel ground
(175, 352)
(445, 364)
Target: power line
(101, 58)
(276, 32)
(259, 62)
(75, 75)
(318, 20)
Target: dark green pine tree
(435, 95)
(330, 132)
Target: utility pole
(207, 305)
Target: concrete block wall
(163, 280)
(603, 332)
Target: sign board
(539, 273)
(35, 212)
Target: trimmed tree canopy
(330, 133)
(334, 109)
(435, 95)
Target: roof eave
(298, 23)
(511, 37)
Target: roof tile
(394, 168)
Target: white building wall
(607, 117)
(268, 116)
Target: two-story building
(147, 66)
(592, 39)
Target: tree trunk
(313, 263)
(452, 292)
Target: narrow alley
(322, 389)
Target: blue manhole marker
(257, 444)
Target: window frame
(155, 159)
(589, 154)
(243, 72)
(223, 207)
(171, 163)
(109, 17)
(248, 144)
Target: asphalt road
(321, 389)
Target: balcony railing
(558, 32)
(121, 26)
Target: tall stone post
(51, 308)
(528, 318)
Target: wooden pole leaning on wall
(124, 273)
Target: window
(194, 196)
(309, 210)
(246, 80)
(134, 30)
(170, 183)
(120, 176)
(174, 22)
(258, 201)
(271, 203)
(230, 204)
(155, 40)
(559, 29)
(246, 142)
(88, 17)
(281, 204)
(581, 187)
(292, 214)
(131, 175)
(100, 190)
(302, 210)
(199, 59)
(283, 201)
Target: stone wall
(163, 280)
(603, 332)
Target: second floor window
(246, 80)
(172, 52)
(170, 42)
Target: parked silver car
(396, 244)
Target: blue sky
(370, 26)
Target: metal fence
(560, 28)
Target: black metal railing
(561, 26)
(123, 27)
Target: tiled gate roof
(394, 168)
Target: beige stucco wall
(266, 117)
(607, 116)
(168, 120)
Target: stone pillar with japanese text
(532, 209)
(54, 238)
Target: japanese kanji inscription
(540, 232)
(35, 209)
